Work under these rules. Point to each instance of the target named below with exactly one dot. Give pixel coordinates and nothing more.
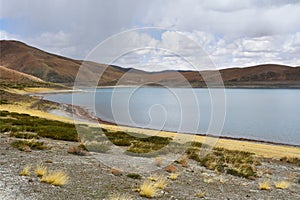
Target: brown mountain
(20, 57)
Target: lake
(261, 114)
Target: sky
(230, 33)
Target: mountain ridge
(18, 56)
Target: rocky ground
(90, 179)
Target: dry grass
(282, 184)
(200, 194)
(171, 169)
(148, 189)
(161, 183)
(25, 171)
(77, 150)
(116, 171)
(222, 180)
(57, 178)
(265, 185)
(184, 160)
(173, 176)
(120, 197)
(153, 178)
(40, 170)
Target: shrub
(265, 185)
(173, 176)
(147, 189)
(57, 178)
(171, 169)
(161, 183)
(40, 170)
(282, 184)
(291, 160)
(116, 171)
(77, 150)
(25, 171)
(134, 176)
(237, 163)
(23, 135)
(22, 145)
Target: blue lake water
(260, 114)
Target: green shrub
(32, 144)
(134, 176)
(23, 135)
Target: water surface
(260, 114)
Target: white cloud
(231, 32)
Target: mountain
(13, 76)
(17, 56)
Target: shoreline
(260, 147)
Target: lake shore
(66, 113)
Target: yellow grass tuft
(282, 184)
(57, 178)
(25, 171)
(40, 170)
(173, 176)
(265, 185)
(148, 189)
(120, 197)
(161, 183)
(222, 180)
(153, 178)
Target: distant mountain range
(20, 62)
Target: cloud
(230, 32)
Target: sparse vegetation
(161, 182)
(282, 184)
(77, 150)
(134, 176)
(57, 178)
(15, 122)
(40, 170)
(116, 171)
(148, 189)
(24, 135)
(173, 176)
(265, 185)
(183, 160)
(171, 169)
(291, 160)
(25, 171)
(27, 145)
(238, 163)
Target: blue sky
(232, 33)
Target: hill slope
(53, 68)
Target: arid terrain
(48, 67)
(269, 172)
